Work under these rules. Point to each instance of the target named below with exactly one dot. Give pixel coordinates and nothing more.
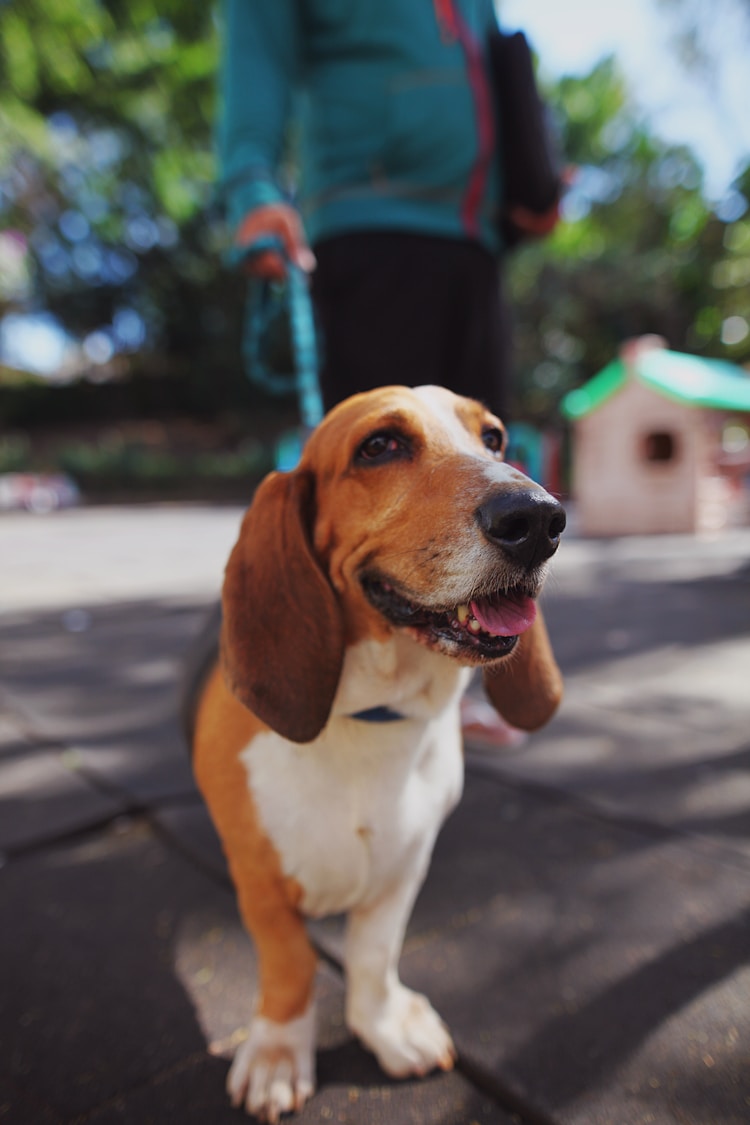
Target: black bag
(530, 163)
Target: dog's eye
(493, 439)
(381, 446)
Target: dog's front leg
(273, 1071)
(400, 1026)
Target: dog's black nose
(527, 524)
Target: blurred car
(37, 492)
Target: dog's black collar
(378, 715)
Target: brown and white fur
(364, 579)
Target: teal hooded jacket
(391, 103)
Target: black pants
(412, 309)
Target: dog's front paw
(274, 1069)
(405, 1033)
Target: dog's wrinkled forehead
(433, 417)
(457, 420)
(456, 424)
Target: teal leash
(268, 303)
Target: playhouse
(661, 443)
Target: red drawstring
(446, 17)
(453, 28)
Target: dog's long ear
(526, 689)
(283, 632)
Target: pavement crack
(503, 1093)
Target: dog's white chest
(357, 808)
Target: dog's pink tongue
(505, 617)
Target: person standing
(396, 215)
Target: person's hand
(281, 221)
(532, 224)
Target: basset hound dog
(364, 586)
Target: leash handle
(266, 301)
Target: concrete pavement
(585, 928)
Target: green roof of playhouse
(690, 379)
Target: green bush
(136, 464)
(15, 453)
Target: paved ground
(585, 928)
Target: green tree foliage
(106, 174)
(640, 251)
(106, 179)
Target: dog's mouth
(480, 629)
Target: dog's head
(402, 514)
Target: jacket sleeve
(260, 64)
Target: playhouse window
(660, 446)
